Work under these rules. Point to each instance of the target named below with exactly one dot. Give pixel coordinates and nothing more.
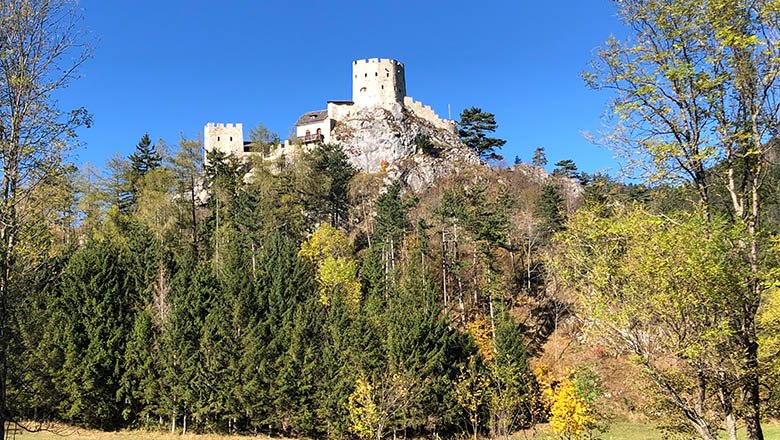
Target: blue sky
(168, 67)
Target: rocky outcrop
(388, 139)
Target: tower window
(388, 74)
(366, 75)
(231, 138)
(217, 138)
(376, 73)
(383, 87)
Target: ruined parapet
(377, 82)
(426, 113)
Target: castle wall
(377, 81)
(426, 112)
(339, 110)
(228, 138)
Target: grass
(644, 431)
(618, 431)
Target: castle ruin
(376, 83)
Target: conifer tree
(96, 308)
(145, 158)
(539, 158)
(333, 166)
(192, 291)
(550, 210)
(474, 126)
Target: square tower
(227, 138)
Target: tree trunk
(724, 394)
(444, 269)
(752, 397)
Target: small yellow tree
(479, 329)
(570, 415)
(363, 411)
(471, 391)
(331, 251)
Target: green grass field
(618, 431)
(640, 431)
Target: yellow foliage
(363, 411)
(570, 415)
(338, 275)
(326, 241)
(479, 329)
(331, 251)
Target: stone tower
(377, 82)
(227, 138)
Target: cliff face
(388, 139)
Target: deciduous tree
(40, 53)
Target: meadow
(618, 431)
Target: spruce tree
(333, 166)
(97, 311)
(550, 209)
(145, 158)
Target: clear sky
(167, 67)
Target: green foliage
(550, 209)
(539, 158)
(334, 171)
(646, 290)
(95, 317)
(145, 158)
(566, 168)
(474, 128)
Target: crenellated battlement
(213, 125)
(378, 61)
(427, 113)
(225, 137)
(377, 82)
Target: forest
(301, 297)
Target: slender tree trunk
(194, 217)
(444, 269)
(724, 394)
(474, 276)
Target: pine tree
(474, 126)
(566, 168)
(513, 385)
(539, 158)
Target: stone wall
(339, 110)
(426, 113)
(377, 81)
(228, 138)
